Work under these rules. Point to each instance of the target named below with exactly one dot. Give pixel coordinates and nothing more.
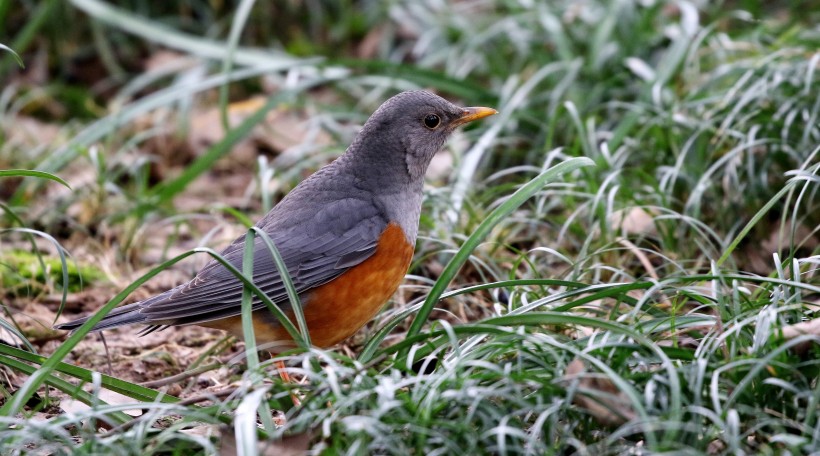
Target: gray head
(398, 141)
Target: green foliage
(25, 269)
(14, 54)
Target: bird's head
(411, 127)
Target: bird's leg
(283, 374)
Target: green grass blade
(22, 395)
(250, 337)
(499, 214)
(66, 387)
(275, 309)
(237, 25)
(167, 190)
(30, 29)
(466, 90)
(247, 304)
(293, 295)
(115, 384)
(32, 173)
(156, 32)
(60, 251)
(16, 56)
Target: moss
(21, 268)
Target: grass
(659, 300)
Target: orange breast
(336, 310)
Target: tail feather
(121, 316)
(125, 315)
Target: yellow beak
(470, 114)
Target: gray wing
(321, 247)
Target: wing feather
(339, 236)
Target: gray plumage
(327, 224)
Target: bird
(347, 235)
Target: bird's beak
(470, 114)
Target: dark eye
(431, 121)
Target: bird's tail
(121, 316)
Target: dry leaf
(289, 445)
(114, 398)
(780, 236)
(811, 327)
(209, 431)
(164, 58)
(282, 128)
(632, 220)
(368, 48)
(29, 132)
(599, 396)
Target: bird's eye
(432, 121)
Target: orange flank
(336, 310)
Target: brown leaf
(289, 445)
(115, 398)
(283, 128)
(368, 48)
(599, 396)
(632, 220)
(780, 236)
(164, 58)
(811, 327)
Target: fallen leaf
(598, 395)
(632, 221)
(779, 238)
(289, 445)
(811, 327)
(368, 48)
(206, 430)
(114, 398)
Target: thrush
(346, 234)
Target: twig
(180, 377)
